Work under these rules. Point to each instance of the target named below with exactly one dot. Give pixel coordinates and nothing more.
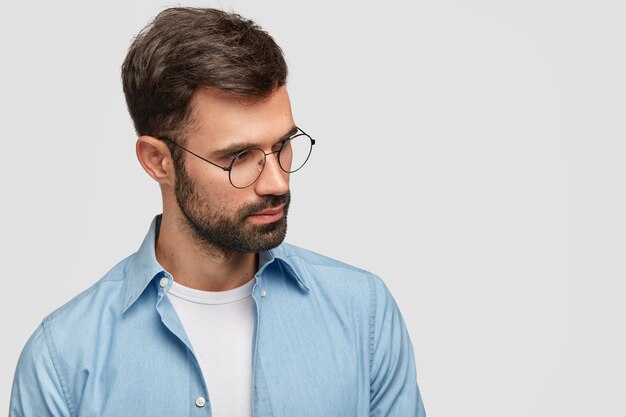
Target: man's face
(252, 219)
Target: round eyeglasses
(247, 165)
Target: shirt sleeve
(393, 384)
(37, 389)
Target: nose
(273, 180)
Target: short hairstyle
(186, 48)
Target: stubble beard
(212, 226)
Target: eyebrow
(240, 146)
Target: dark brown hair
(183, 49)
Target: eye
(241, 157)
(234, 155)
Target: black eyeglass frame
(230, 167)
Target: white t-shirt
(220, 326)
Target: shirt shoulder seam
(335, 264)
(56, 362)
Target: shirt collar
(144, 267)
(278, 255)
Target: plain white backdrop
(471, 153)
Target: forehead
(222, 118)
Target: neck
(197, 264)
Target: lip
(269, 215)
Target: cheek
(221, 197)
(208, 180)
(215, 192)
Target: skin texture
(195, 256)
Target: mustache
(267, 203)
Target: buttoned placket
(199, 398)
(255, 342)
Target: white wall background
(469, 152)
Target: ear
(155, 158)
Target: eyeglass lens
(248, 165)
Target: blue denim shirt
(328, 341)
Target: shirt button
(263, 293)
(164, 282)
(200, 401)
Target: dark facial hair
(229, 231)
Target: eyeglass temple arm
(227, 169)
(312, 140)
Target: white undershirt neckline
(212, 297)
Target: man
(214, 315)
